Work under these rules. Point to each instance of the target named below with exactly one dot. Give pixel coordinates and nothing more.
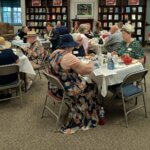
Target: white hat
(4, 44)
(128, 28)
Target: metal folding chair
(56, 83)
(132, 88)
(8, 70)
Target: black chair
(8, 70)
(131, 88)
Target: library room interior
(74, 72)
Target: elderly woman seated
(130, 46)
(35, 52)
(69, 70)
(79, 50)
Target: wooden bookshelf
(38, 16)
(110, 14)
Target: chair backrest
(54, 80)
(136, 76)
(9, 69)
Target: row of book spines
(49, 17)
(118, 9)
(118, 17)
(47, 10)
(41, 24)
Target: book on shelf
(99, 10)
(63, 10)
(40, 17)
(27, 10)
(31, 10)
(53, 10)
(36, 2)
(111, 10)
(44, 10)
(48, 17)
(105, 9)
(127, 9)
(32, 17)
(53, 17)
(36, 10)
(36, 17)
(44, 23)
(110, 17)
(110, 24)
(40, 10)
(140, 9)
(27, 17)
(140, 38)
(64, 17)
(36, 24)
(139, 17)
(104, 17)
(116, 9)
(139, 24)
(134, 9)
(57, 2)
(105, 24)
(40, 24)
(37, 31)
(116, 17)
(44, 17)
(58, 17)
(138, 32)
(133, 17)
(126, 16)
(58, 10)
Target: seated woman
(7, 57)
(69, 70)
(130, 46)
(89, 32)
(79, 50)
(35, 52)
(23, 33)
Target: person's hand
(114, 53)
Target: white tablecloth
(105, 77)
(25, 65)
(20, 43)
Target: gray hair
(82, 28)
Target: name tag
(75, 52)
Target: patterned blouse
(134, 49)
(35, 51)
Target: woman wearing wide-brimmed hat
(130, 46)
(69, 69)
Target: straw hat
(4, 44)
(128, 28)
(31, 33)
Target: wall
(73, 8)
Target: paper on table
(104, 72)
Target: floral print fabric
(84, 102)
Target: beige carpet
(23, 128)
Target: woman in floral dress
(69, 70)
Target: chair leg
(136, 101)
(59, 113)
(145, 84)
(125, 113)
(44, 106)
(20, 93)
(145, 106)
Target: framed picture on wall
(133, 2)
(84, 10)
(110, 2)
(36, 2)
(57, 2)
